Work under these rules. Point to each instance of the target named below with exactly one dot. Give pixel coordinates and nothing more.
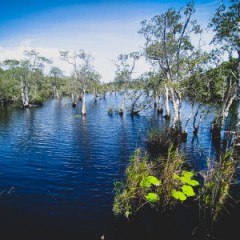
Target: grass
(217, 180)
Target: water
(57, 168)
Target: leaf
(185, 179)
(175, 176)
(187, 174)
(189, 181)
(193, 183)
(152, 197)
(178, 195)
(188, 191)
(150, 180)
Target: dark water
(57, 168)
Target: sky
(104, 29)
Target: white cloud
(102, 59)
(104, 37)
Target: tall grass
(214, 193)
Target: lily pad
(188, 191)
(178, 195)
(187, 174)
(152, 197)
(150, 180)
(185, 179)
(193, 183)
(189, 181)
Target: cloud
(102, 59)
(103, 31)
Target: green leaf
(178, 195)
(187, 174)
(152, 197)
(188, 191)
(185, 179)
(150, 180)
(175, 176)
(193, 183)
(189, 181)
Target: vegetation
(161, 183)
(180, 69)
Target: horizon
(104, 29)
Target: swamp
(147, 156)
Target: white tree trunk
(123, 103)
(57, 94)
(24, 95)
(167, 101)
(73, 97)
(177, 107)
(157, 98)
(83, 103)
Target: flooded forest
(135, 158)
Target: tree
(28, 75)
(226, 26)
(8, 84)
(125, 66)
(56, 76)
(81, 75)
(95, 83)
(168, 42)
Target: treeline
(26, 83)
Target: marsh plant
(110, 110)
(214, 194)
(177, 183)
(160, 141)
(161, 184)
(129, 195)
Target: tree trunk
(177, 106)
(57, 94)
(83, 103)
(95, 95)
(123, 104)
(188, 119)
(223, 112)
(238, 93)
(167, 115)
(24, 95)
(160, 105)
(157, 98)
(73, 97)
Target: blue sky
(102, 28)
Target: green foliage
(186, 178)
(214, 194)
(225, 25)
(150, 180)
(156, 182)
(130, 196)
(152, 197)
(178, 195)
(188, 191)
